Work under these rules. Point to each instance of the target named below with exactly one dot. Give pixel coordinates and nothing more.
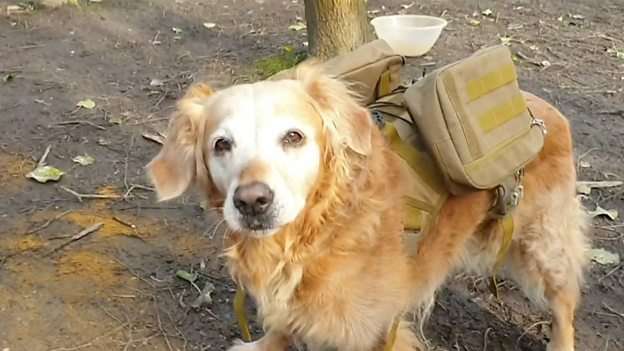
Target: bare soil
(116, 289)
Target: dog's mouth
(259, 225)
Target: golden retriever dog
(312, 196)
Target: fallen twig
(162, 330)
(612, 112)
(64, 123)
(90, 196)
(485, 338)
(157, 138)
(43, 158)
(76, 237)
(601, 184)
(609, 273)
(117, 219)
(137, 186)
(46, 224)
(610, 309)
(90, 343)
(526, 331)
(148, 121)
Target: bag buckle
(536, 122)
(378, 118)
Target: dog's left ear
(173, 170)
(343, 115)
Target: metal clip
(516, 196)
(539, 123)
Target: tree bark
(336, 26)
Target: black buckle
(378, 118)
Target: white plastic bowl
(409, 35)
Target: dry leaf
(154, 137)
(505, 40)
(585, 187)
(209, 25)
(474, 22)
(297, 26)
(87, 103)
(156, 83)
(189, 277)
(44, 174)
(599, 211)
(115, 120)
(604, 257)
(584, 164)
(83, 160)
(205, 297)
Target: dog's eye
(222, 145)
(293, 138)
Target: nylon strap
(507, 227)
(384, 86)
(241, 315)
(392, 334)
(414, 210)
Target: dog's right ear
(173, 170)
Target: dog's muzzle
(254, 202)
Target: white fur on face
(256, 118)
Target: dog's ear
(346, 119)
(174, 168)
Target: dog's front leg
(271, 341)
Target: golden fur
(338, 274)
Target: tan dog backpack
(461, 128)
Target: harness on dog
(464, 127)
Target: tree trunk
(336, 26)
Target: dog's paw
(553, 347)
(240, 345)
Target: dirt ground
(116, 288)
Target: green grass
(287, 58)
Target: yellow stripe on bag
(491, 81)
(384, 84)
(503, 113)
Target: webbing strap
(480, 86)
(392, 334)
(411, 156)
(414, 209)
(241, 315)
(385, 81)
(507, 227)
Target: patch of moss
(287, 58)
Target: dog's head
(260, 149)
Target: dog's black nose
(253, 199)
